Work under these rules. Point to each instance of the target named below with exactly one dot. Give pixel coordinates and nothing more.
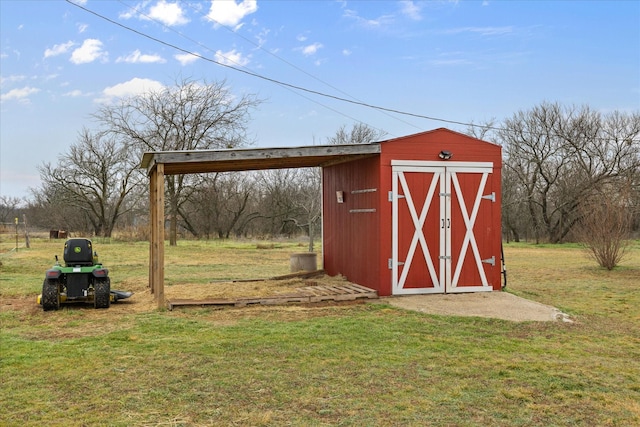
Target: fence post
(27, 240)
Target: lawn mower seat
(78, 252)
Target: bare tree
(97, 177)
(9, 208)
(307, 202)
(221, 203)
(187, 116)
(514, 213)
(484, 131)
(47, 209)
(560, 156)
(605, 227)
(275, 206)
(360, 133)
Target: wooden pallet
(306, 295)
(346, 292)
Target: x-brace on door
(435, 212)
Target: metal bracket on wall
(400, 196)
(491, 261)
(491, 196)
(390, 263)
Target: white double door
(439, 211)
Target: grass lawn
(353, 364)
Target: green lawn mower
(81, 279)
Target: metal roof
(203, 161)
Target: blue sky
(466, 61)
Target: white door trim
(445, 179)
(469, 238)
(440, 164)
(418, 236)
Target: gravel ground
(499, 305)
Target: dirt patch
(249, 288)
(498, 305)
(142, 300)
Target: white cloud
(232, 58)
(311, 49)
(262, 37)
(346, 52)
(185, 58)
(135, 86)
(82, 28)
(411, 10)
(12, 79)
(136, 57)
(58, 49)
(21, 95)
(483, 31)
(90, 51)
(230, 13)
(169, 14)
(449, 62)
(379, 22)
(73, 94)
(133, 10)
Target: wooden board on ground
(322, 289)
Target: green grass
(350, 365)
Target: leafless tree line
(559, 162)
(97, 186)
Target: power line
(292, 86)
(226, 58)
(235, 33)
(269, 79)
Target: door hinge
(390, 263)
(444, 257)
(445, 194)
(400, 196)
(491, 196)
(491, 260)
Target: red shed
(422, 216)
(417, 214)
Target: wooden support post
(152, 224)
(153, 184)
(156, 250)
(160, 240)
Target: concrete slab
(499, 305)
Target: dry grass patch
(247, 288)
(564, 277)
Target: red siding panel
(427, 146)
(351, 229)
